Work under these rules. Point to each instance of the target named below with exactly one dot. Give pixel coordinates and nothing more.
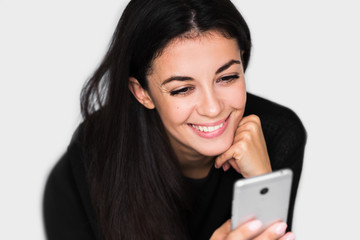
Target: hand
(252, 230)
(248, 154)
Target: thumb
(222, 232)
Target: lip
(212, 134)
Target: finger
(233, 163)
(247, 131)
(288, 236)
(221, 159)
(275, 231)
(251, 118)
(249, 126)
(246, 231)
(227, 155)
(226, 166)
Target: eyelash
(181, 91)
(228, 79)
(186, 90)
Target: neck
(193, 164)
(196, 169)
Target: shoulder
(275, 118)
(271, 111)
(67, 207)
(63, 172)
(283, 130)
(62, 177)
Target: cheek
(239, 100)
(235, 97)
(175, 113)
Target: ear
(140, 93)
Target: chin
(213, 150)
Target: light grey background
(305, 56)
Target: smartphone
(265, 197)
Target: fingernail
(280, 229)
(226, 167)
(255, 225)
(290, 236)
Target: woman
(168, 128)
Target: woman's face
(197, 86)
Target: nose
(209, 104)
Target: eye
(227, 79)
(182, 91)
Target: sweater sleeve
(287, 151)
(285, 138)
(67, 211)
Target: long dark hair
(135, 183)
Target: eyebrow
(227, 65)
(184, 78)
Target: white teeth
(207, 129)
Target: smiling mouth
(208, 128)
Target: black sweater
(68, 213)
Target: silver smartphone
(265, 197)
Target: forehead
(184, 55)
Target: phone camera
(264, 190)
